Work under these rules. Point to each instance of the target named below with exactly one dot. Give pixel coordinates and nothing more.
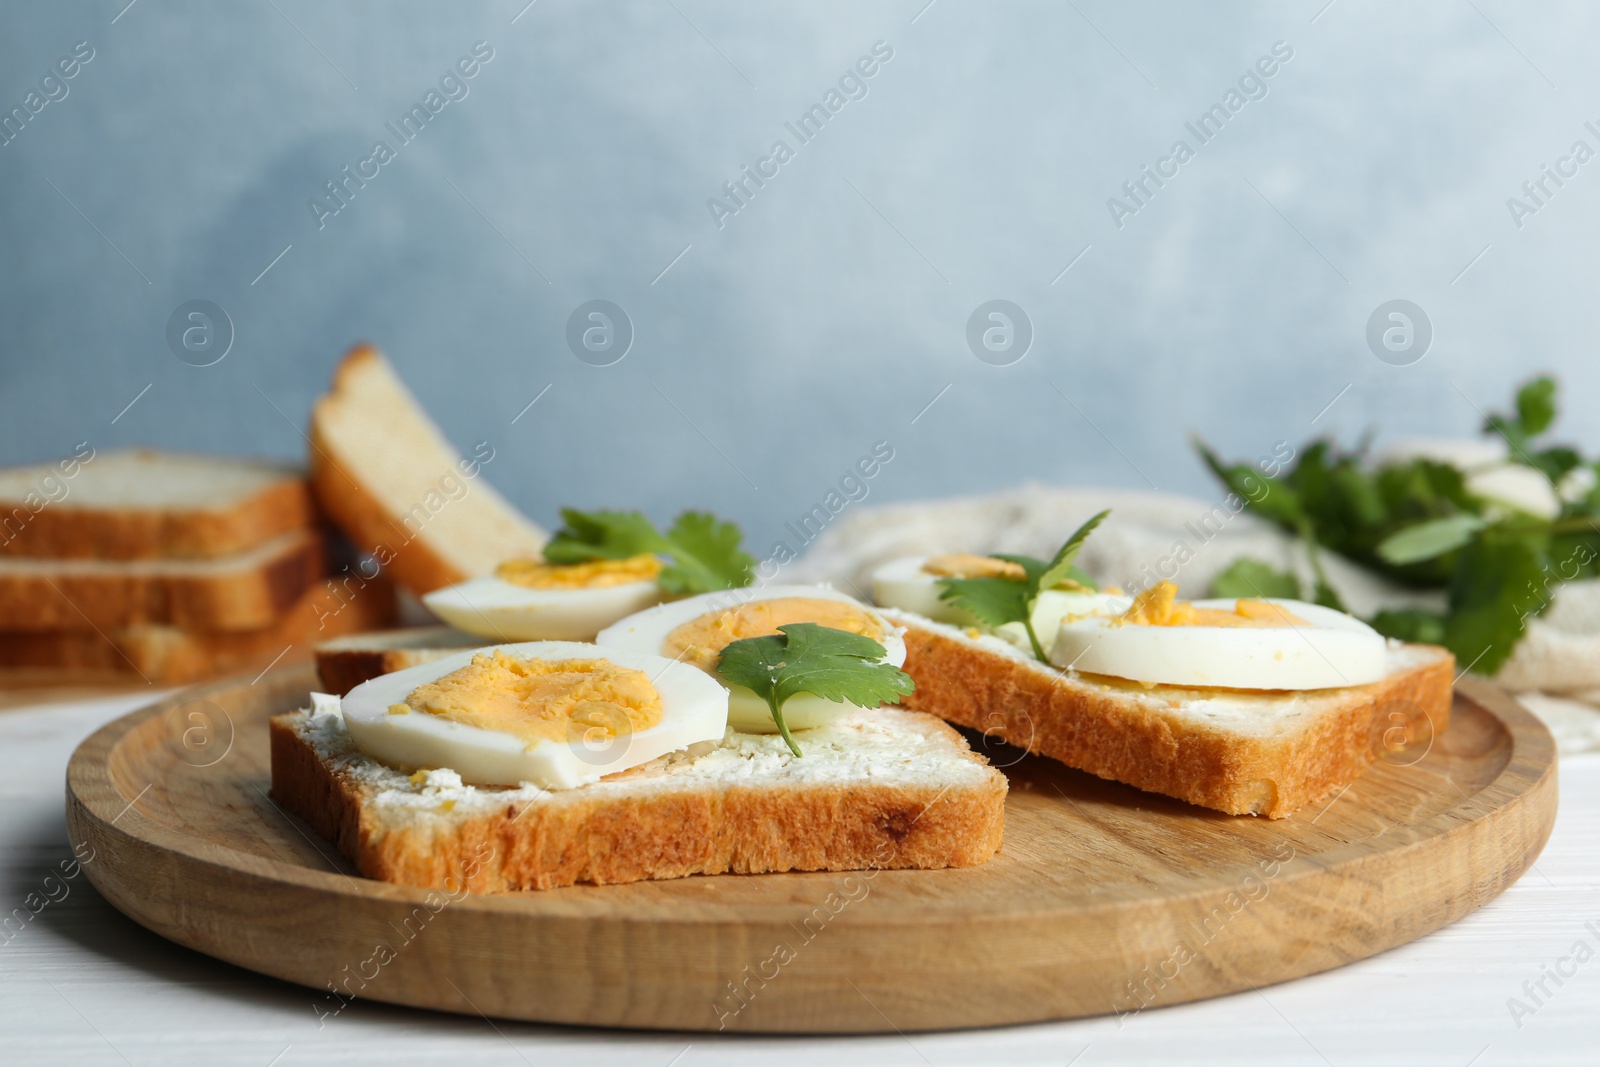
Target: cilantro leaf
(1511, 430)
(1327, 596)
(591, 535)
(1498, 584)
(1425, 540)
(1078, 575)
(1556, 462)
(1246, 577)
(1061, 566)
(1536, 405)
(1536, 412)
(833, 664)
(997, 601)
(706, 555)
(1038, 570)
(1032, 568)
(1410, 624)
(1271, 497)
(992, 601)
(704, 550)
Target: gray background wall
(830, 310)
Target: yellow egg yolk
(541, 700)
(591, 574)
(1159, 606)
(968, 565)
(700, 641)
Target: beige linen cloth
(1555, 669)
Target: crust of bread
(411, 559)
(576, 836)
(345, 663)
(72, 598)
(75, 532)
(1114, 729)
(356, 510)
(167, 655)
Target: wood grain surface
(1102, 899)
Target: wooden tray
(1103, 899)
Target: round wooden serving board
(1102, 899)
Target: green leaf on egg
(590, 535)
(992, 601)
(1061, 566)
(806, 658)
(997, 601)
(705, 555)
(703, 551)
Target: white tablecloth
(81, 984)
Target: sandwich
(1254, 706)
(729, 730)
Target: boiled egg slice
(1054, 605)
(909, 585)
(695, 631)
(558, 714)
(527, 600)
(1233, 644)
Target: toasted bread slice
(245, 591)
(345, 662)
(170, 655)
(385, 473)
(145, 504)
(876, 789)
(1239, 751)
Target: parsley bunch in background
(1423, 524)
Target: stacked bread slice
(166, 567)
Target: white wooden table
(80, 984)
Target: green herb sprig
(704, 550)
(997, 601)
(806, 658)
(1419, 523)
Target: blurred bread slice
(345, 662)
(385, 473)
(170, 655)
(146, 504)
(244, 591)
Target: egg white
(1334, 650)
(903, 584)
(646, 632)
(1054, 605)
(693, 708)
(504, 611)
